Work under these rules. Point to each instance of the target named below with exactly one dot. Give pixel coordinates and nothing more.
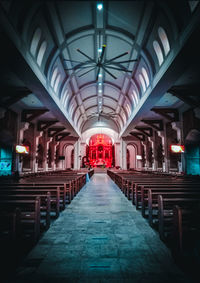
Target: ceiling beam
(155, 124)
(170, 114)
(29, 115)
(61, 136)
(187, 94)
(54, 131)
(139, 136)
(145, 130)
(43, 125)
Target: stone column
(38, 134)
(162, 135)
(145, 153)
(76, 155)
(177, 127)
(117, 154)
(47, 142)
(123, 155)
(23, 126)
(152, 142)
(54, 156)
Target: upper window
(124, 118)
(135, 98)
(158, 51)
(57, 83)
(128, 109)
(145, 75)
(193, 5)
(165, 42)
(55, 72)
(142, 82)
(35, 41)
(41, 52)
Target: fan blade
(86, 72)
(102, 53)
(79, 67)
(119, 56)
(85, 55)
(98, 71)
(124, 70)
(126, 61)
(68, 60)
(109, 73)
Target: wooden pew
(143, 198)
(45, 203)
(54, 194)
(165, 212)
(167, 193)
(29, 216)
(9, 224)
(186, 227)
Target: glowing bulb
(100, 83)
(99, 6)
(99, 50)
(100, 75)
(100, 90)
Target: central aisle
(100, 237)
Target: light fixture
(100, 90)
(99, 50)
(100, 75)
(100, 83)
(99, 6)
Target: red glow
(176, 148)
(22, 149)
(100, 151)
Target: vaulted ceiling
(102, 66)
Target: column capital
(2, 112)
(176, 125)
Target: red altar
(100, 151)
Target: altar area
(100, 151)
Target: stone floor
(100, 237)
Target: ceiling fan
(101, 63)
(104, 115)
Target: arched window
(145, 75)
(165, 42)
(64, 98)
(124, 117)
(193, 5)
(55, 72)
(57, 82)
(41, 52)
(134, 102)
(158, 52)
(71, 110)
(136, 96)
(142, 82)
(35, 41)
(128, 109)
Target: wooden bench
(162, 187)
(186, 227)
(29, 216)
(142, 198)
(167, 193)
(9, 224)
(54, 194)
(45, 203)
(165, 212)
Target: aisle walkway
(100, 237)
